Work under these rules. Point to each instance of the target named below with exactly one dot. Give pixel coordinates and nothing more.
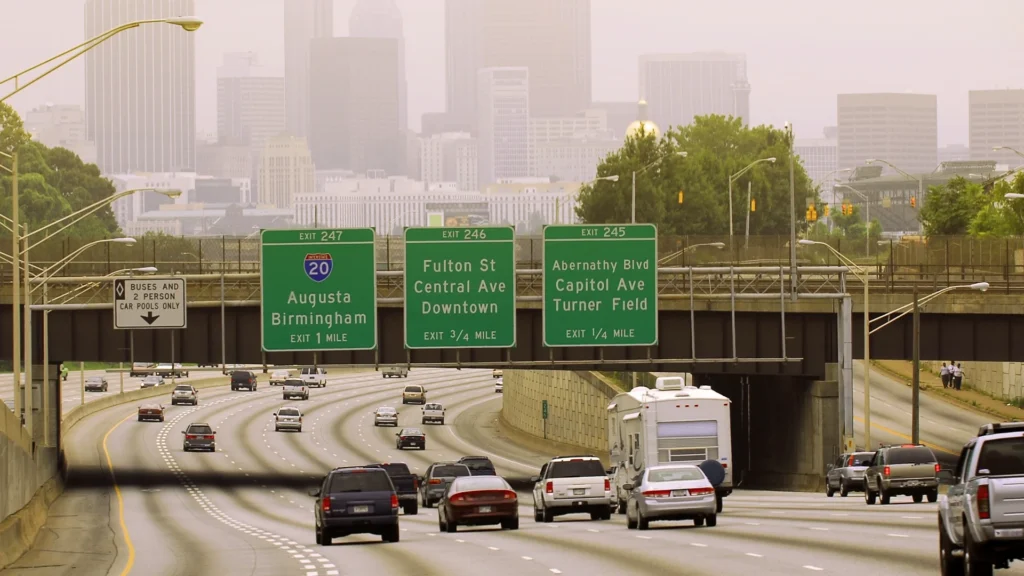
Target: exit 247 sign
(148, 303)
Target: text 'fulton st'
(590, 294)
(457, 286)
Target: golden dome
(642, 125)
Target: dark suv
(906, 469)
(479, 465)
(243, 379)
(355, 500)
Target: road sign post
(600, 285)
(318, 290)
(460, 287)
(149, 303)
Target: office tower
(354, 95)
(250, 103)
(679, 87)
(383, 19)
(61, 125)
(570, 148)
(304, 20)
(503, 112)
(449, 157)
(819, 156)
(960, 153)
(997, 119)
(551, 38)
(140, 88)
(619, 115)
(898, 128)
(285, 170)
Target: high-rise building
(619, 114)
(503, 106)
(570, 148)
(898, 128)
(354, 95)
(997, 119)
(61, 125)
(680, 87)
(285, 171)
(383, 19)
(449, 157)
(959, 153)
(304, 20)
(551, 38)
(819, 156)
(140, 102)
(250, 103)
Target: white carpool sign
(147, 303)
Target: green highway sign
(544, 409)
(307, 305)
(600, 285)
(460, 287)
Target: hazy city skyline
(798, 57)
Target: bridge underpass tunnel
(785, 430)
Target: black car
(479, 465)
(243, 379)
(355, 500)
(410, 438)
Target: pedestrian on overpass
(945, 375)
(958, 376)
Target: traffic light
(913, 202)
(812, 214)
(753, 204)
(680, 196)
(826, 210)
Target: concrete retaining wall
(577, 407)
(1003, 380)
(30, 478)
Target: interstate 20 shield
(318, 266)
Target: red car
(478, 501)
(151, 412)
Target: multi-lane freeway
(220, 513)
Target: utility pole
(915, 419)
(746, 234)
(792, 216)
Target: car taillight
(607, 485)
(325, 503)
(984, 512)
(207, 437)
(508, 495)
(457, 498)
(658, 493)
(885, 470)
(394, 501)
(415, 483)
(701, 491)
(435, 481)
(190, 437)
(549, 487)
(938, 468)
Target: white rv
(674, 422)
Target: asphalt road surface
(184, 523)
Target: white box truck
(674, 422)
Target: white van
(313, 376)
(671, 423)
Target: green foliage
(960, 207)
(52, 183)
(716, 148)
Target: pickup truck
(394, 372)
(407, 485)
(433, 413)
(314, 377)
(171, 370)
(141, 369)
(907, 469)
(981, 516)
(295, 388)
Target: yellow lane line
(904, 437)
(120, 500)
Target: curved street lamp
(680, 153)
(733, 179)
(574, 195)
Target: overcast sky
(800, 53)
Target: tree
(716, 148)
(949, 209)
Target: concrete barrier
(577, 409)
(32, 480)
(1001, 380)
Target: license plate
(360, 509)
(1010, 533)
(579, 491)
(912, 483)
(678, 493)
(485, 509)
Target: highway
(180, 522)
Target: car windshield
(916, 455)
(576, 469)
(1004, 457)
(481, 483)
(93, 379)
(411, 432)
(413, 389)
(681, 474)
(478, 464)
(361, 481)
(450, 471)
(860, 459)
(288, 412)
(385, 410)
(199, 429)
(306, 371)
(294, 382)
(240, 376)
(432, 407)
(151, 379)
(397, 469)
(182, 388)
(280, 373)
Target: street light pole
(732, 179)
(792, 215)
(29, 420)
(632, 218)
(915, 419)
(15, 288)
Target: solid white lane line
(698, 544)
(527, 558)
(753, 555)
(815, 568)
(492, 548)
(898, 535)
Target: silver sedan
(670, 492)
(385, 416)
